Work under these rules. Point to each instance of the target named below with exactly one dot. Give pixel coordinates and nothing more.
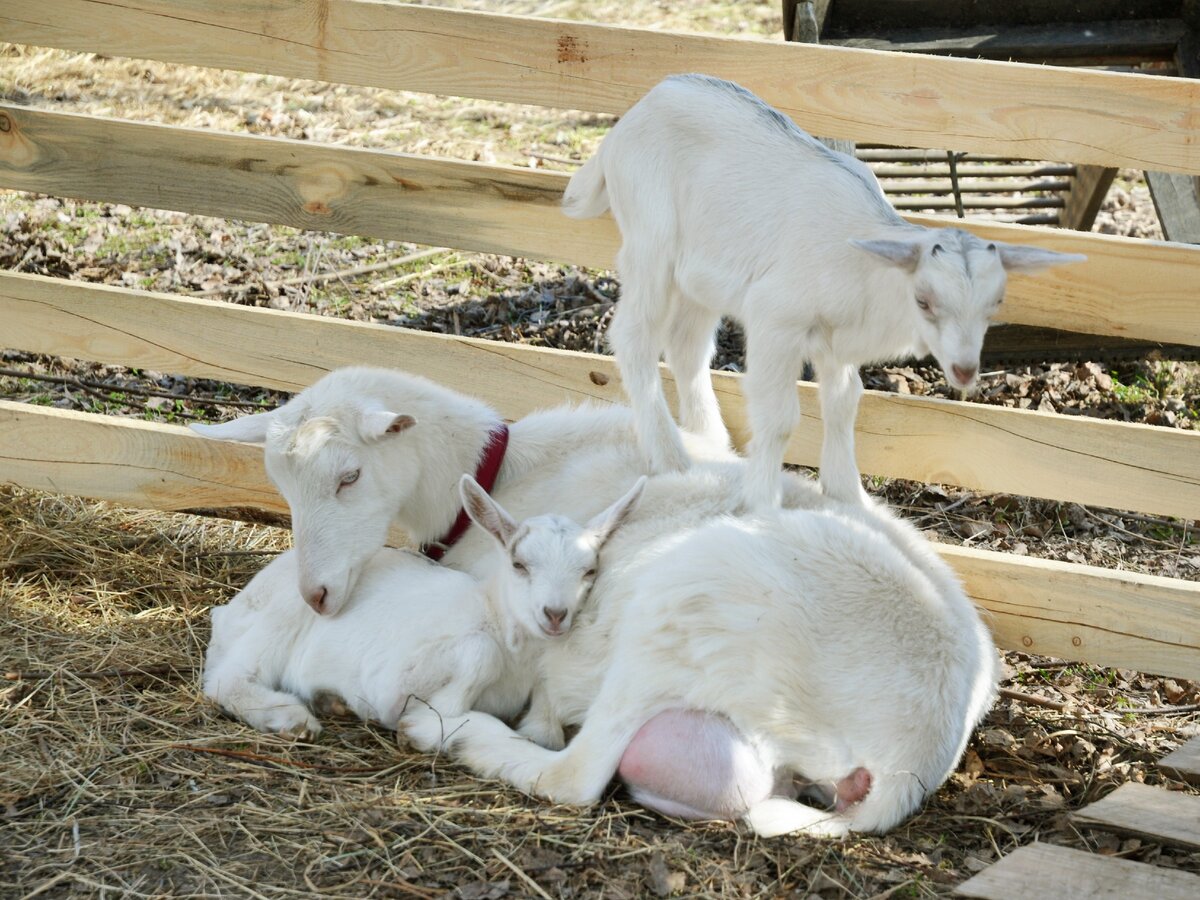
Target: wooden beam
(1078, 43)
(1089, 187)
(1044, 870)
(433, 201)
(972, 201)
(938, 186)
(860, 15)
(512, 211)
(1112, 464)
(1014, 109)
(1177, 197)
(1081, 611)
(1151, 813)
(165, 467)
(1177, 201)
(128, 461)
(1016, 344)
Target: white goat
(716, 664)
(363, 448)
(413, 629)
(726, 208)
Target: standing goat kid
(726, 208)
(412, 629)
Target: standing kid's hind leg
(637, 336)
(691, 343)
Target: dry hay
(119, 775)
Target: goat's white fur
(409, 440)
(830, 639)
(415, 634)
(726, 208)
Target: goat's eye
(923, 304)
(349, 478)
(590, 573)
(521, 567)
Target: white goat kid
(413, 629)
(362, 449)
(726, 208)
(721, 663)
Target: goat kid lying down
(413, 633)
(363, 449)
(728, 660)
(726, 208)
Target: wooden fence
(1127, 288)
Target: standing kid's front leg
(773, 359)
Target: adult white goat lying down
(364, 448)
(726, 208)
(716, 664)
(412, 629)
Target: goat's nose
(316, 599)
(554, 616)
(964, 374)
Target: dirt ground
(120, 780)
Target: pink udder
(853, 788)
(696, 765)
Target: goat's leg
(577, 774)
(637, 336)
(691, 343)
(840, 388)
(541, 724)
(773, 358)
(259, 706)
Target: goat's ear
(604, 524)
(904, 254)
(1023, 258)
(252, 429)
(486, 512)
(380, 423)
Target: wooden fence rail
(1040, 606)
(1025, 111)
(1114, 464)
(512, 211)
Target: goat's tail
(586, 196)
(891, 800)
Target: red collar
(485, 474)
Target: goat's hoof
(420, 733)
(294, 723)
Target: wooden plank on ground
(1183, 762)
(1020, 110)
(513, 211)
(1113, 464)
(165, 467)
(1044, 870)
(1152, 813)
